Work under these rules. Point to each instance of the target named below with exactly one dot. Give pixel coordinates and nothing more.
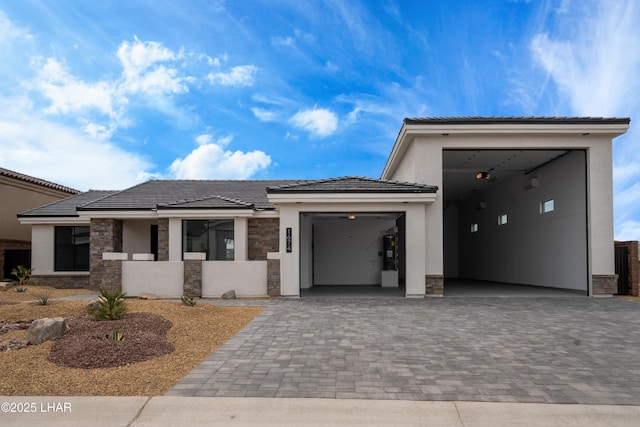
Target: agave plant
(110, 305)
(117, 335)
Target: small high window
(547, 206)
(502, 219)
(474, 227)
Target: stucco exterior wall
(163, 278)
(424, 165)
(246, 278)
(136, 236)
(18, 196)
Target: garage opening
(515, 217)
(352, 254)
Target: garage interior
(352, 254)
(515, 222)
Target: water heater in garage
(389, 253)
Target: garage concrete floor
(540, 350)
(452, 288)
(478, 288)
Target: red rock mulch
(88, 344)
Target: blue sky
(106, 94)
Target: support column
(163, 239)
(192, 285)
(273, 274)
(106, 237)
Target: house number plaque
(289, 239)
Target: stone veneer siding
(71, 281)
(192, 286)
(106, 236)
(163, 239)
(434, 285)
(634, 266)
(604, 284)
(273, 277)
(263, 237)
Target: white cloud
(318, 122)
(628, 230)
(42, 148)
(136, 57)
(596, 65)
(283, 41)
(264, 115)
(70, 95)
(148, 68)
(210, 161)
(239, 76)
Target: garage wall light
(351, 217)
(483, 175)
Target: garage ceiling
(461, 166)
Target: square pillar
(192, 285)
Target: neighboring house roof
(37, 181)
(66, 207)
(515, 120)
(353, 184)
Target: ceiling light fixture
(483, 175)
(351, 217)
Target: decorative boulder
(92, 306)
(229, 294)
(5, 285)
(148, 296)
(42, 330)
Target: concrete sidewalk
(233, 411)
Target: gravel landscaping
(162, 342)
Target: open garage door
(515, 217)
(352, 253)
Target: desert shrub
(188, 301)
(110, 305)
(23, 274)
(43, 298)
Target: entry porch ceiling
(460, 167)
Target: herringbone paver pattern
(550, 350)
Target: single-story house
(520, 200)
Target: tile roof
(182, 194)
(211, 202)
(353, 184)
(514, 120)
(212, 194)
(41, 182)
(66, 207)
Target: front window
(214, 237)
(71, 249)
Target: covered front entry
(352, 253)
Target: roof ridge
(203, 198)
(38, 181)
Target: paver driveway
(556, 350)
